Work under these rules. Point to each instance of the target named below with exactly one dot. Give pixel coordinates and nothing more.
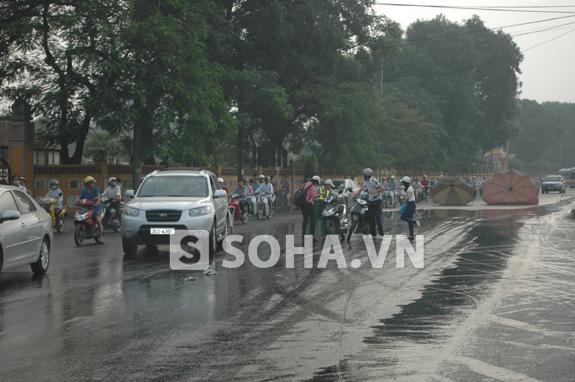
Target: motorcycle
(335, 216)
(111, 218)
(86, 225)
(235, 209)
(261, 206)
(359, 218)
(58, 221)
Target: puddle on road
(456, 291)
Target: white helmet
(316, 178)
(111, 179)
(406, 179)
(367, 172)
(329, 182)
(393, 177)
(220, 180)
(54, 181)
(262, 176)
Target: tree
(61, 56)
(116, 150)
(472, 73)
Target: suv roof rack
(180, 169)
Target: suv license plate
(162, 231)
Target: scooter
(58, 221)
(261, 206)
(359, 218)
(335, 216)
(235, 209)
(86, 225)
(111, 218)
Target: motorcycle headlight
(329, 212)
(131, 211)
(80, 217)
(201, 210)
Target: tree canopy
(186, 80)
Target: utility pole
(507, 156)
(381, 79)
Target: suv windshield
(553, 179)
(174, 186)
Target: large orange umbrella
(510, 187)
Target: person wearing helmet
(23, 185)
(321, 193)
(407, 214)
(115, 194)
(250, 194)
(425, 186)
(473, 184)
(93, 193)
(268, 190)
(56, 193)
(272, 181)
(221, 182)
(374, 189)
(307, 208)
(242, 191)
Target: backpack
(299, 198)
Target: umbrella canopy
(510, 187)
(452, 192)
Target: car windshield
(553, 179)
(174, 186)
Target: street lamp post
(560, 144)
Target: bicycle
(282, 203)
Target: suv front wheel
(130, 247)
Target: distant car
(345, 184)
(174, 199)
(553, 183)
(26, 235)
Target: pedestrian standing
(374, 189)
(307, 208)
(407, 214)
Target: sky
(547, 70)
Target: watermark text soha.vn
(189, 250)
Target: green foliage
(116, 150)
(309, 165)
(467, 74)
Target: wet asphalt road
(494, 302)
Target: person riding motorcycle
(268, 190)
(93, 193)
(56, 193)
(473, 184)
(114, 192)
(425, 185)
(242, 191)
(374, 189)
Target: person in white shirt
(268, 190)
(407, 214)
(115, 193)
(56, 193)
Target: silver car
(174, 199)
(25, 231)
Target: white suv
(174, 199)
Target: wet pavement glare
(494, 302)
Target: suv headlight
(200, 210)
(131, 211)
